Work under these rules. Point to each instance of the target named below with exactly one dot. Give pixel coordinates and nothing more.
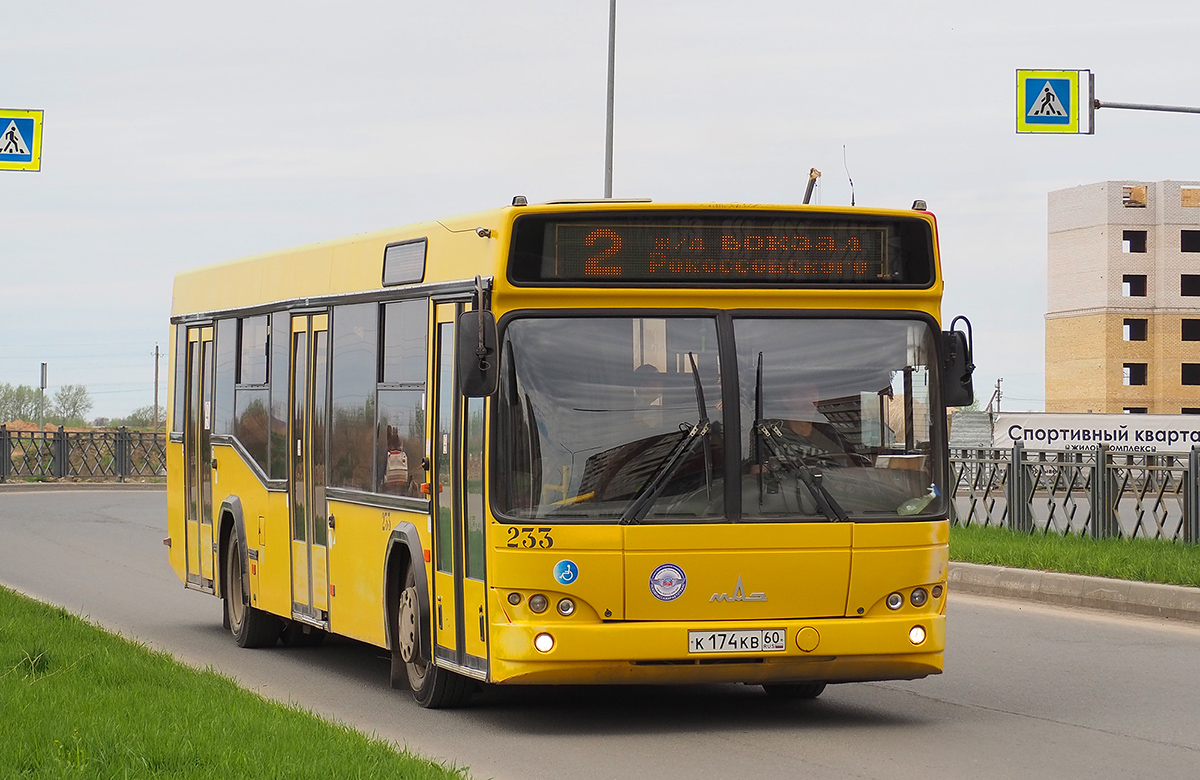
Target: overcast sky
(179, 134)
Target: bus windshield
(657, 419)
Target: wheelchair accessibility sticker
(566, 572)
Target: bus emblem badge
(668, 582)
(566, 572)
(739, 594)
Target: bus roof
(456, 248)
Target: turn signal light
(514, 598)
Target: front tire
(432, 687)
(250, 627)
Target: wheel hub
(408, 625)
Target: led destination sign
(658, 250)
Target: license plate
(768, 640)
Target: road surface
(1029, 691)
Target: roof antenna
(847, 167)
(813, 175)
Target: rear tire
(794, 690)
(432, 687)
(250, 627)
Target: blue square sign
(20, 140)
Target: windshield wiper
(640, 506)
(767, 438)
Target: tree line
(68, 406)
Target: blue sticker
(668, 582)
(566, 572)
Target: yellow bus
(578, 442)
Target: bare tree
(18, 402)
(71, 405)
(141, 418)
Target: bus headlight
(544, 643)
(538, 603)
(916, 634)
(895, 601)
(919, 597)
(566, 607)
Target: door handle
(214, 463)
(331, 522)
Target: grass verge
(76, 701)
(1143, 560)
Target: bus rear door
(198, 457)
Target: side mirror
(957, 367)
(478, 370)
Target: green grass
(76, 702)
(1142, 560)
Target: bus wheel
(432, 687)
(794, 690)
(250, 627)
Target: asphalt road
(1029, 691)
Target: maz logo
(739, 594)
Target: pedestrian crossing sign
(20, 140)
(1048, 101)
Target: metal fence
(1098, 493)
(121, 454)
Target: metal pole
(608, 136)
(42, 404)
(1147, 107)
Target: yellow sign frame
(1072, 105)
(35, 142)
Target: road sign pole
(1146, 107)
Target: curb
(1075, 590)
(21, 487)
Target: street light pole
(608, 137)
(42, 403)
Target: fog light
(937, 591)
(895, 601)
(919, 597)
(566, 607)
(538, 603)
(916, 634)
(543, 642)
(514, 599)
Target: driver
(803, 433)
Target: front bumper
(845, 650)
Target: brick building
(1123, 302)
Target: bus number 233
(529, 538)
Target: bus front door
(197, 444)
(459, 608)
(306, 470)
